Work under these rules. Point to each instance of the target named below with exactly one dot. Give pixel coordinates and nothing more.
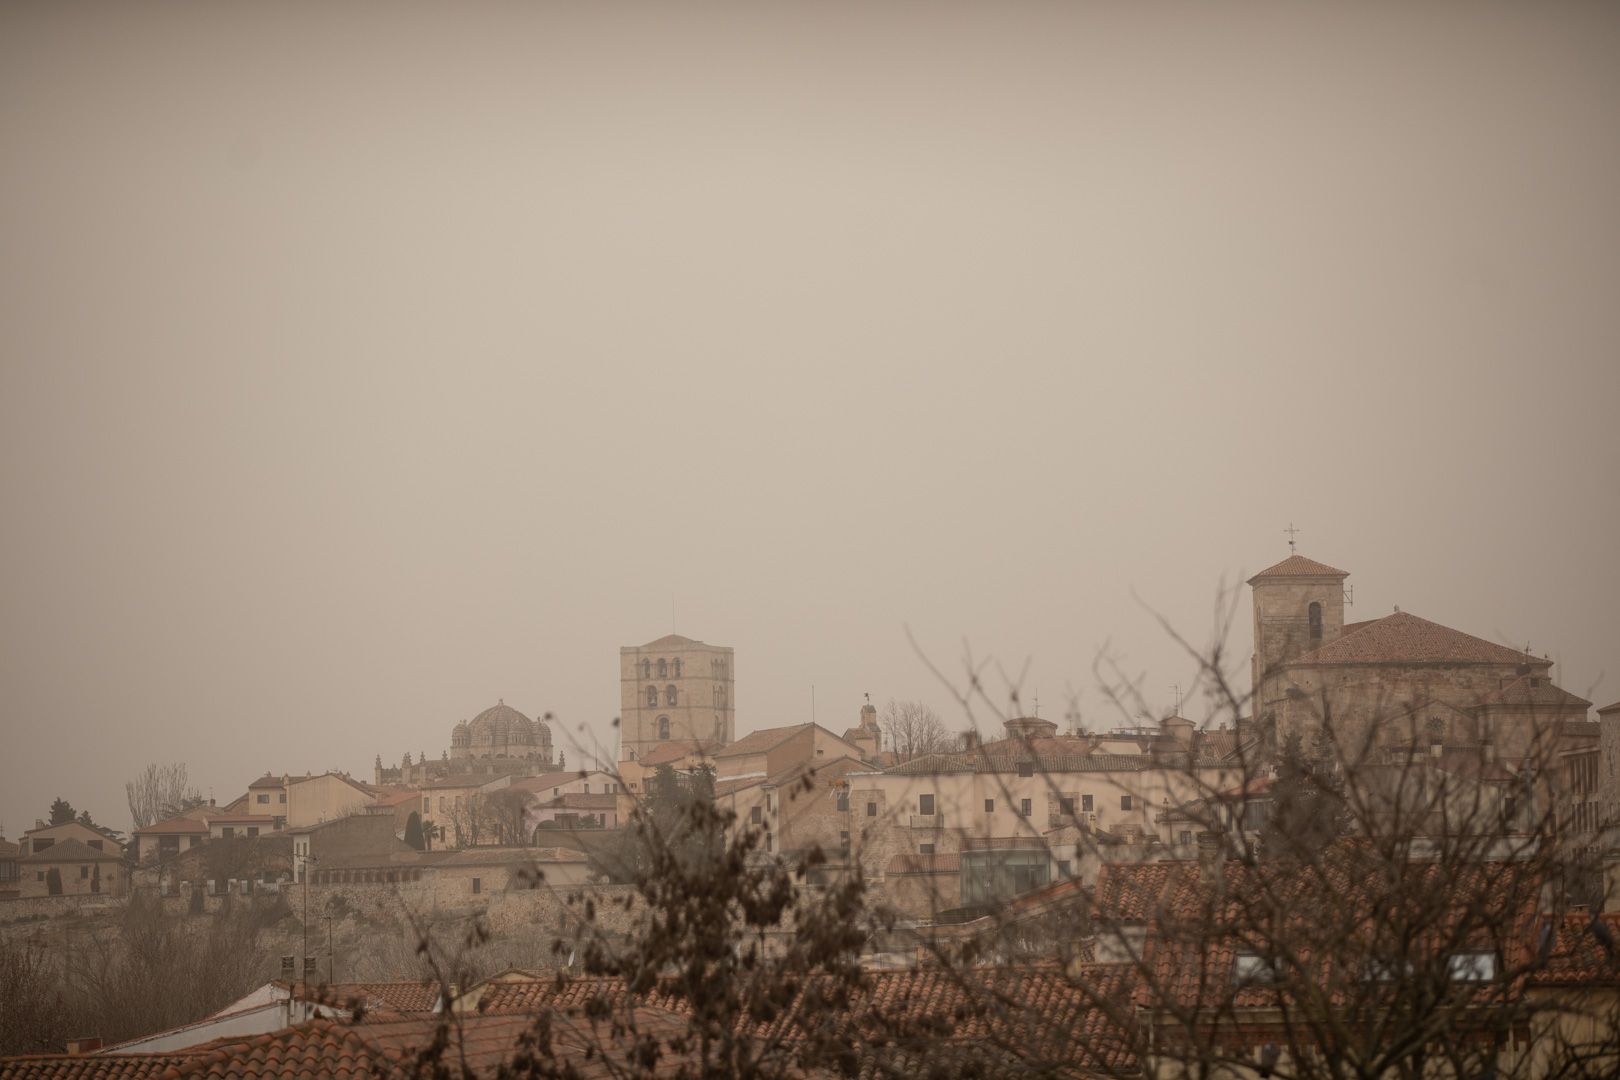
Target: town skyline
(835, 706)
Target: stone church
(500, 741)
(675, 689)
(1399, 680)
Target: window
(1066, 805)
(646, 669)
(264, 797)
(663, 669)
(843, 800)
(283, 796)
(669, 694)
(478, 885)
(989, 806)
(1065, 868)
(1472, 967)
(1250, 968)
(226, 832)
(652, 696)
(1024, 807)
(1315, 612)
(1124, 802)
(768, 842)
(675, 667)
(871, 809)
(756, 815)
(84, 872)
(1186, 838)
(1086, 804)
(925, 849)
(253, 830)
(1026, 768)
(663, 725)
(925, 805)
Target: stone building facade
(675, 689)
(500, 741)
(1395, 681)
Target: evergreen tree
(62, 812)
(1307, 802)
(413, 831)
(53, 881)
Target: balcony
(927, 821)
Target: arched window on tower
(1316, 621)
(669, 694)
(663, 727)
(646, 669)
(652, 696)
(663, 669)
(675, 664)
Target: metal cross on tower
(1292, 532)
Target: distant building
(71, 867)
(1416, 682)
(675, 689)
(500, 741)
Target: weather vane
(1292, 532)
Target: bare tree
(159, 792)
(913, 729)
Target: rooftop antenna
(1292, 532)
(1175, 688)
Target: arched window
(669, 694)
(652, 696)
(675, 664)
(663, 669)
(663, 727)
(1316, 621)
(646, 669)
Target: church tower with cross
(1298, 607)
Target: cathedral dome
(494, 725)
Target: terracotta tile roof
(759, 742)
(668, 753)
(91, 1066)
(1038, 1010)
(1141, 892)
(1607, 709)
(401, 997)
(242, 819)
(1536, 691)
(1403, 638)
(1299, 566)
(65, 851)
(738, 783)
(578, 800)
(182, 825)
(8, 849)
(1577, 952)
(543, 783)
(396, 798)
(940, 863)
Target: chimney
(1211, 859)
(1178, 728)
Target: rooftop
(1296, 566)
(1404, 638)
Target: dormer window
(1252, 969)
(1472, 967)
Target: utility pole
(331, 956)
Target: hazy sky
(363, 364)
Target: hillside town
(1087, 846)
